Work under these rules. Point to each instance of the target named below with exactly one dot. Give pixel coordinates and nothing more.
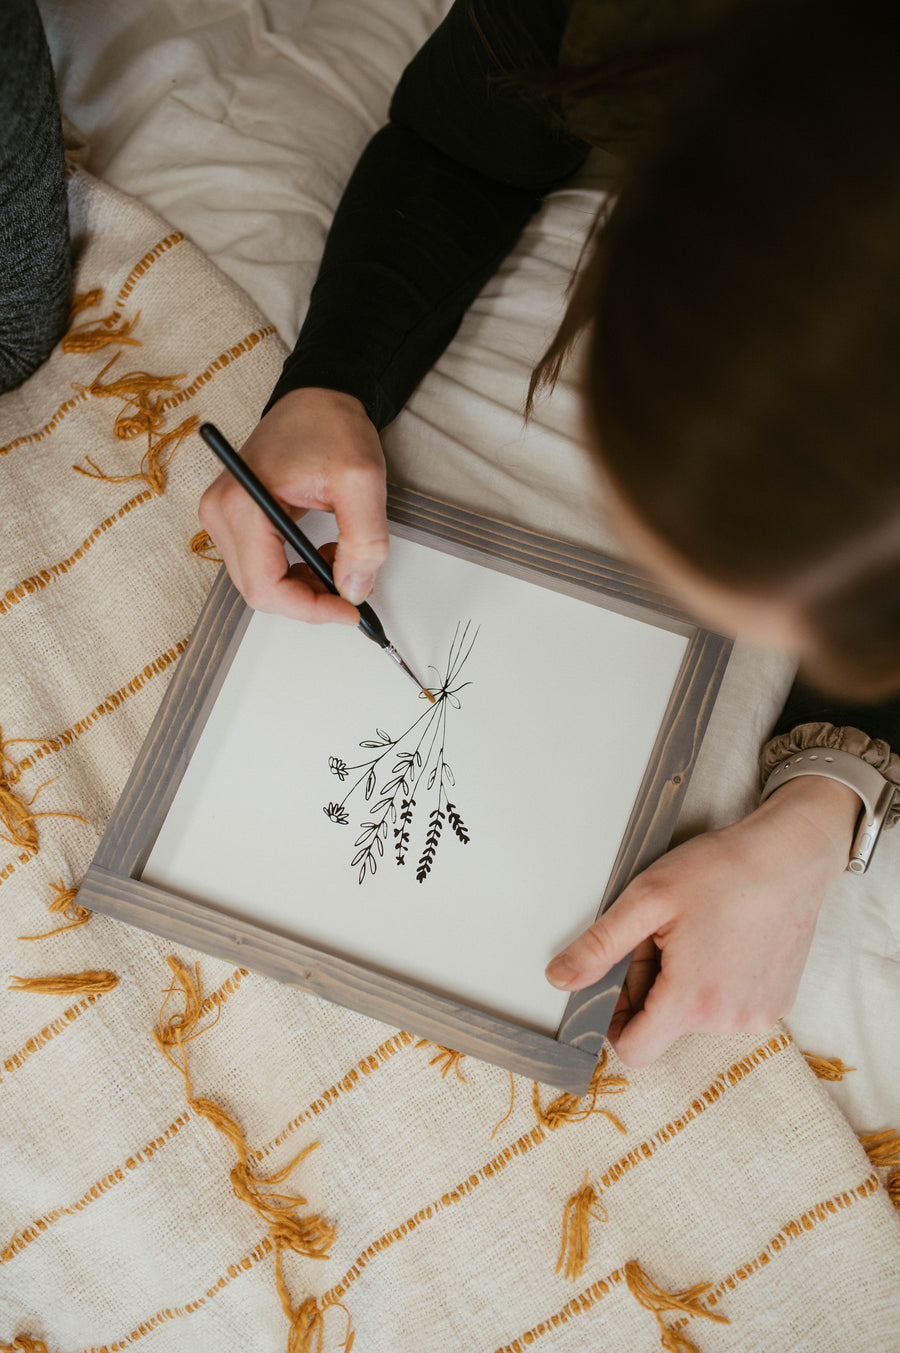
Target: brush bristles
(428, 696)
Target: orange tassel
(152, 464)
(311, 1236)
(142, 413)
(576, 1227)
(18, 823)
(15, 818)
(568, 1108)
(308, 1323)
(84, 300)
(893, 1188)
(203, 545)
(827, 1069)
(68, 984)
(65, 898)
(654, 1298)
(135, 388)
(83, 338)
(450, 1059)
(24, 1344)
(512, 1105)
(181, 1027)
(882, 1148)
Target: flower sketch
(402, 771)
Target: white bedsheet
(239, 121)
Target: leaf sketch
(413, 763)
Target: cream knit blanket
(716, 1201)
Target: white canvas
(547, 746)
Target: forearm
(415, 237)
(436, 201)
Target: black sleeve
(438, 198)
(805, 705)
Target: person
(739, 389)
(739, 308)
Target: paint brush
(369, 623)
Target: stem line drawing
(419, 758)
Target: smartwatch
(876, 792)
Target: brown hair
(743, 301)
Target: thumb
(630, 919)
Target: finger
(360, 510)
(636, 914)
(650, 1032)
(310, 600)
(642, 972)
(253, 552)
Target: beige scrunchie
(806, 736)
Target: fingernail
(357, 587)
(561, 971)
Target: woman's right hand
(314, 449)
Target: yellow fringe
(203, 545)
(143, 411)
(308, 1323)
(512, 1104)
(152, 466)
(568, 1108)
(17, 821)
(827, 1069)
(181, 1027)
(84, 300)
(67, 984)
(83, 338)
(653, 1298)
(135, 388)
(883, 1150)
(24, 1344)
(576, 1226)
(65, 898)
(450, 1059)
(312, 1236)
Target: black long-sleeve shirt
(438, 198)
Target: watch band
(876, 792)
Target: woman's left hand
(721, 925)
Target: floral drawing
(393, 787)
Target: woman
(742, 308)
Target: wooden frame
(114, 885)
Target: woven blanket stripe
(196, 1156)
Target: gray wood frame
(113, 883)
